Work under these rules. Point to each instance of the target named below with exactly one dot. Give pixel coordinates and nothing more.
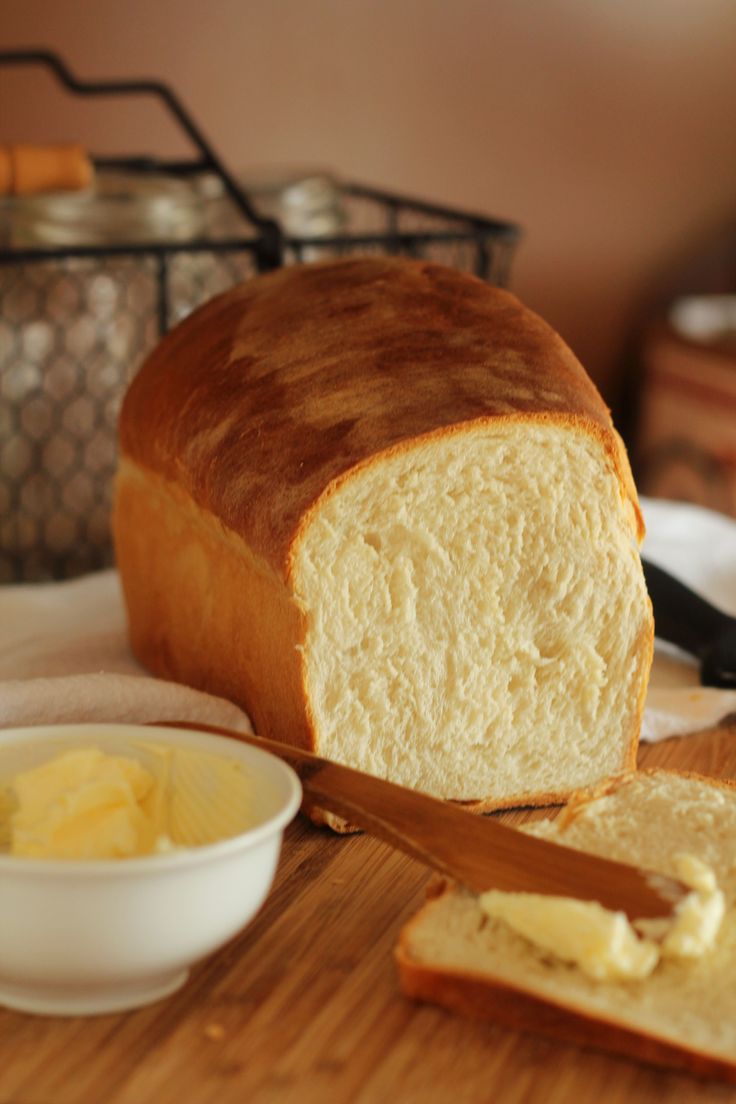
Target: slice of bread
(379, 504)
(683, 1015)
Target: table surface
(304, 1006)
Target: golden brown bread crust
(204, 611)
(227, 408)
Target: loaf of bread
(379, 504)
(682, 1015)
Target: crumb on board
(214, 1031)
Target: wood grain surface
(304, 1006)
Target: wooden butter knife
(477, 851)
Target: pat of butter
(603, 943)
(86, 804)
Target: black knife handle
(684, 618)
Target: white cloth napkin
(699, 547)
(64, 656)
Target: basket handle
(270, 243)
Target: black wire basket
(78, 317)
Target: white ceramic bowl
(80, 937)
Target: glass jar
(119, 208)
(73, 330)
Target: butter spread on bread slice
(682, 1015)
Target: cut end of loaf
(477, 621)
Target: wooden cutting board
(304, 1006)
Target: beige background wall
(606, 127)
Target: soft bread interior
(477, 621)
(648, 820)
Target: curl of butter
(82, 805)
(698, 916)
(87, 804)
(603, 943)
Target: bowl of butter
(127, 854)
